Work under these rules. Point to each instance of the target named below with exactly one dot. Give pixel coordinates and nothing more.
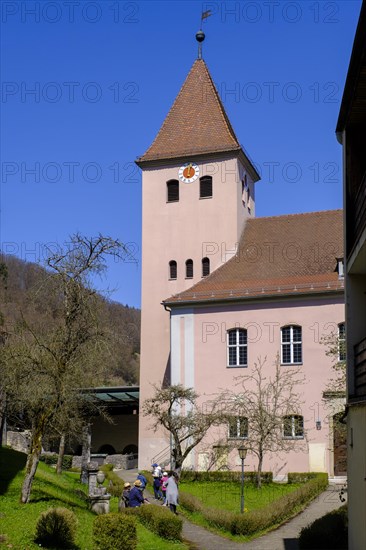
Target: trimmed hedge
(116, 484)
(51, 460)
(300, 477)
(158, 519)
(56, 527)
(328, 532)
(111, 531)
(258, 520)
(250, 477)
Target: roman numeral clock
(189, 172)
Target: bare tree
(176, 408)
(267, 402)
(49, 361)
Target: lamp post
(242, 454)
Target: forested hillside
(26, 292)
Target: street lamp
(242, 454)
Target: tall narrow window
(238, 427)
(172, 190)
(341, 342)
(293, 426)
(172, 269)
(189, 269)
(205, 187)
(291, 345)
(237, 348)
(205, 267)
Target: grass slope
(18, 521)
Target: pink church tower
(197, 192)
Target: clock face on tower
(188, 172)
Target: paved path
(283, 538)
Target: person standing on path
(172, 492)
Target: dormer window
(172, 187)
(205, 187)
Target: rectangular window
(291, 345)
(237, 348)
(238, 427)
(293, 427)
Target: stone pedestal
(98, 497)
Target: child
(163, 482)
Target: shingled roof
(197, 122)
(279, 255)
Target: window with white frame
(237, 348)
(341, 342)
(291, 345)
(238, 427)
(293, 426)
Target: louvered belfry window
(189, 269)
(205, 267)
(205, 187)
(173, 190)
(172, 269)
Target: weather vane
(200, 35)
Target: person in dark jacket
(124, 501)
(136, 495)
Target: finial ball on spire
(200, 36)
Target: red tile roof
(277, 255)
(197, 122)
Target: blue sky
(104, 75)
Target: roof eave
(236, 152)
(246, 298)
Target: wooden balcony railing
(360, 368)
(360, 208)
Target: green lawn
(18, 521)
(226, 495)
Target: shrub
(250, 477)
(115, 483)
(111, 531)
(158, 519)
(328, 532)
(51, 460)
(56, 527)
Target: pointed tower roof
(197, 123)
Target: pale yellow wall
(357, 477)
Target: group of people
(165, 488)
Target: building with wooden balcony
(351, 132)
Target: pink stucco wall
(189, 229)
(317, 317)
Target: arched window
(237, 348)
(172, 269)
(341, 342)
(293, 426)
(205, 187)
(189, 269)
(205, 267)
(291, 345)
(172, 190)
(238, 427)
